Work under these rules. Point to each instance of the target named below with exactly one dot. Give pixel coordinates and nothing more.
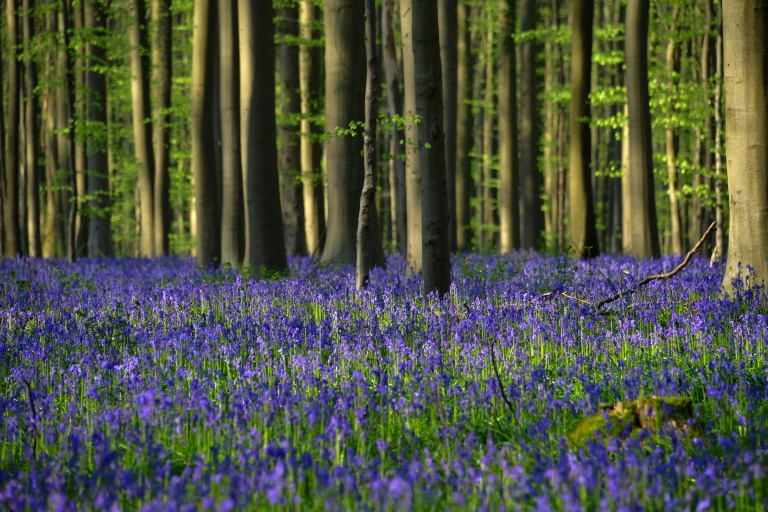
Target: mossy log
(629, 419)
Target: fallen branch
(667, 275)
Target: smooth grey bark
(311, 174)
(397, 144)
(447, 21)
(463, 181)
(745, 60)
(142, 129)
(531, 180)
(364, 260)
(436, 265)
(289, 156)
(644, 242)
(11, 213)
(207, 216)
(265, 244)
(162, 72)
(582, 211)
(99, 224)
(344, 102)
(509, 179)
(232, 179)
(413, 176)
(31, 131)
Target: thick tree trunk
(82, 224)
(311, 175)
(447, 11)
(265, 244)
(530, 178)
(364, 258)
(436, 265)
(345, 97)
(412, 163)
(99, 225)
(142, 130)
(232, 179)
(207, 216)
(289, 158)
(397, 144)
(66, 121)
(463, 131)
(509, 179)
(582, 210)
(162, 71)
(31, 131)
(11, 211)
(642, 210)
(488, 213)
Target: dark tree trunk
(11, 211)
(162, 72)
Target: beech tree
(745, 55)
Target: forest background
(114, 146)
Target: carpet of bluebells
(157, 385)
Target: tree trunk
(82, 221)
(345, 97)
(207, 223)
(311, 175)
(717, 253)
(582, 210)
(671, 143)
(142, 130)
(265, 244)
(530, 177)
(289, 158)
(66, 121)
(509, 180)
(487, 216)
(436, 265)
(367, 197)
(463, 130)
(644, 242)
(162, 71)
(100, 229)
(412, 163)
(31, 140)
(232, 178)
(11, 211)
(397, 145)
(53, 233)
(447, 12)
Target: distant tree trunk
(142, 130)
(488, 213)
(345, 97)
(11, 211)
(463, 130)
(642, 209)
(207, 216)
(447, 14)
(289, 158)
(397, 145)
(671, 143)
(436, 264)
(626, 189)
(582, 212)
(65, 120)
(162, 71)
(232, 178)
(509, 178)
(311, 176)
(530, 177)
(53, 232)
(100, 229)
(82, 224)
(367, 197)
(717, 253)
(31, 132)
(265, 244)
(412, 163)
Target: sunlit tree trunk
(436, 265)
(207, 216)
(582, 210)
(463, 130)
(31, 131)
(717, 253)
(162, 72)
(11, 192)
(487, 214)
(265, 244)
(671, 143)
(99, 224)
(644, 241)
(509, 180)
(82, 224)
